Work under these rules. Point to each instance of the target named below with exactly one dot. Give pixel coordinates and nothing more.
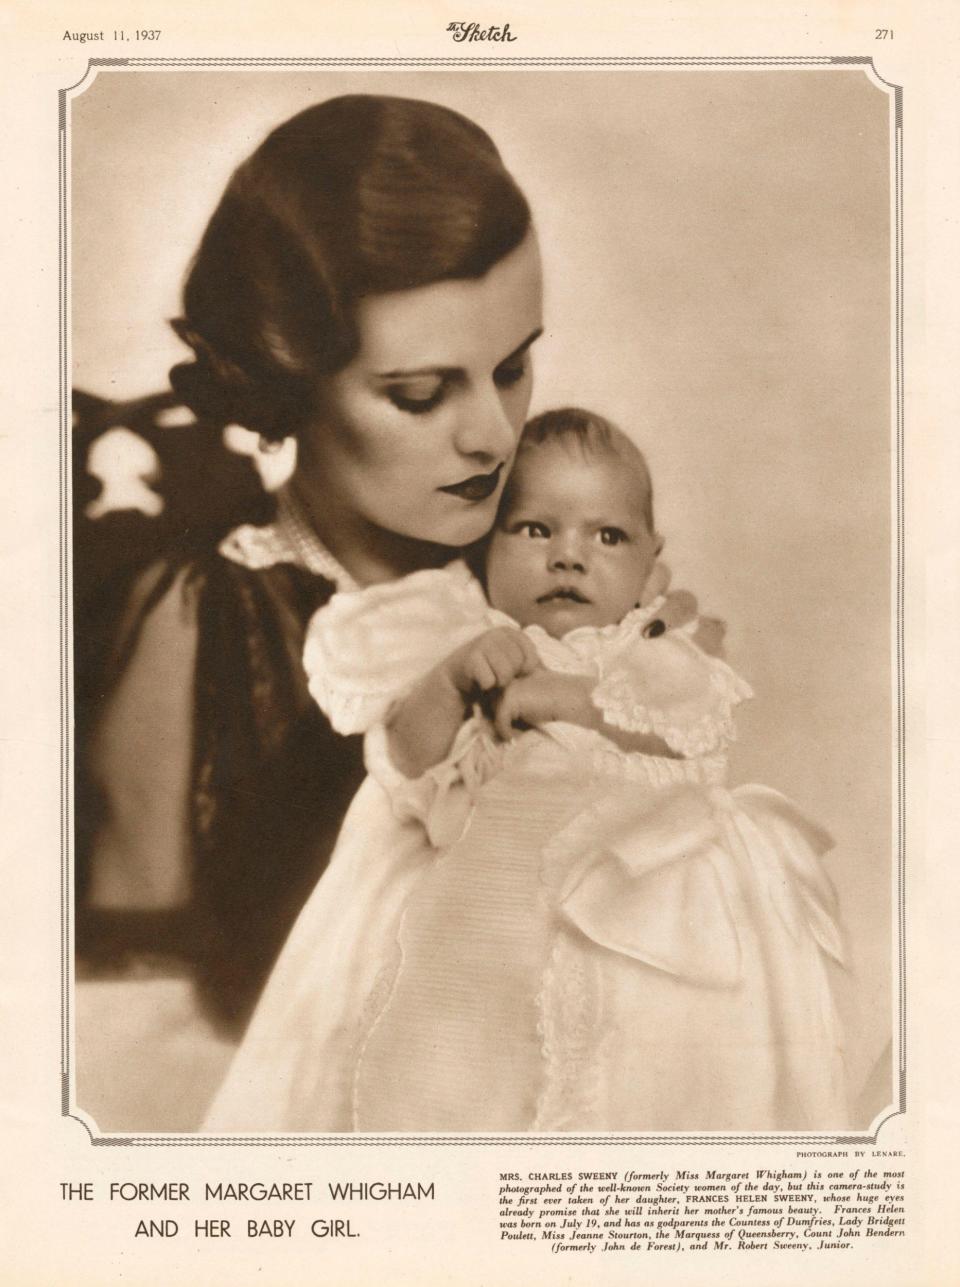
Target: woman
(369, 284)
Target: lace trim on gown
(616, 697)
(668, 687)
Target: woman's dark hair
(360, 195)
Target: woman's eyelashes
(422, 395)
(418, 396)
(506, 376)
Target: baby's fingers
(502, 720)
(507, 655)
(482, 672)
(531, 658)
(488, 663)
(519, 657)
(508, 709)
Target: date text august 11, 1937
(117, 35)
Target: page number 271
(883, 33)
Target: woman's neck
(370, 554)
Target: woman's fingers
(678, 608)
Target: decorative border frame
(66, 616)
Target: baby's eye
(417, 396)
(534, 529)
(612, 535)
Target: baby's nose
(568, 554)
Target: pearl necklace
(288, 539)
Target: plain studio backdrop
(716, 249)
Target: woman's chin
(458, 530)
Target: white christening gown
(551, 934)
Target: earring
(270, 446)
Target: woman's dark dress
(265, 781)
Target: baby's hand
(544, 695)
(492, 661)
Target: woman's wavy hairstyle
(360, 195)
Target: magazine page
(482, 573)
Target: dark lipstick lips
(564, 592)
(477, 488)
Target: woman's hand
(492, 661)
(679, 607)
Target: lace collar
(288, 539)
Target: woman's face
(416, 436)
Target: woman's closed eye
(419, 395)
(510, 373)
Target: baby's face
(571, 547)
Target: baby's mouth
(476, 488)
(563, 592)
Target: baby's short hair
(594, 436)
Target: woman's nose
(486, 430)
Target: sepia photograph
(486, 643)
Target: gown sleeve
(666, 685)
(366, 648)
(442, 799)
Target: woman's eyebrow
(522, 348)
(412, 372)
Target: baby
(545, 912)
(574, 546)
